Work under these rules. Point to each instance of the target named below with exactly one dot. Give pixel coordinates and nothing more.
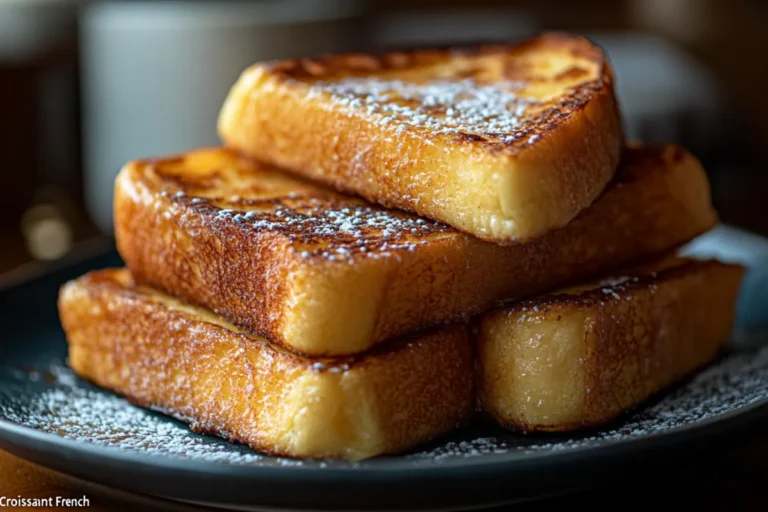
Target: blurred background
(87, 85)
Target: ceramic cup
(154, 74)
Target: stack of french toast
(387, 246)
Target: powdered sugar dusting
(333, 230)
(258, 200)
(76, 410)
(58, 402)
(439, 106)
(617, 282)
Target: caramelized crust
(583, 356)
(161, 353)
(504, 142)
(325, 274)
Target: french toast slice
(502, 141)
(583, 356)
(186, 362)
(326, 274)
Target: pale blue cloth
(729, 244)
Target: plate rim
(388, 468)
(499, 481)
(88, 460)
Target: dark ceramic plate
(49, 416)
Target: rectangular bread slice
(502, 141)
(583, 356)
(326, 274)
(164, 354)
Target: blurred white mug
(154, 74)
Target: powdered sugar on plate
(733, 384)
(54, 400)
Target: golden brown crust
(336, 66)
(405, 130)
(161, 353)
(356, 63)
(635, 335)
(333, 275)
(592, 294)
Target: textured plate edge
(27, 443)
(391, 466)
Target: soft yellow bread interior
(583, 356)
(533, 369)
